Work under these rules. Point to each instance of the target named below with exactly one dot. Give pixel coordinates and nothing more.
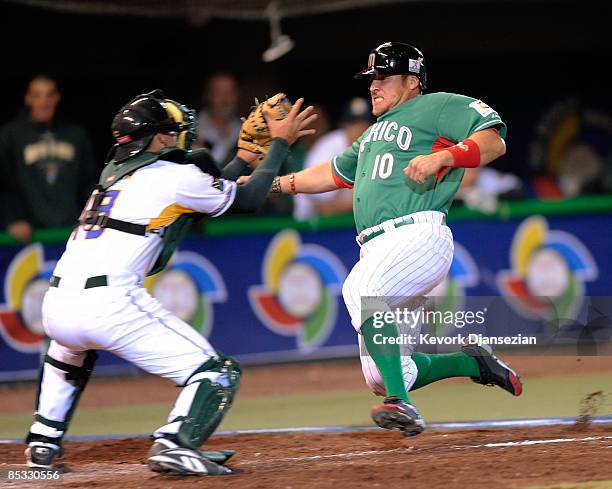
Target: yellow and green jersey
(373, 165)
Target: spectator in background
(47, 164)
(571, 151)
(218, 121)
(483, 188)
(301, 148)
(355, 118)
(284, 204)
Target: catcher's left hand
(294, 126)
(256, 135)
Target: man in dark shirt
(47, 163)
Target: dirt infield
(475, 459)
(436, 459)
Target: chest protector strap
(93, 219)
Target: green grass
(543, 397)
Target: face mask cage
(186, 130)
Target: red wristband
(292, 183)
(466, 154)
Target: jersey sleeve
(204, 193)
(344, 166)
(462, 116)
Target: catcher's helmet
(396, 58)
(145, 115)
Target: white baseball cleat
(168, 457)
(42, 455)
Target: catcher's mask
(144, 116)
(396, 58)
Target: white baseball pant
(399, 267)
(128, 322)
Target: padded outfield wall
(268, 290)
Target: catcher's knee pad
(213, 397)
(76, 376)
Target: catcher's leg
(63, 377)
(162, 344)
(207, 396)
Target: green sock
(386, 356)
(433, 367)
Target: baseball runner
(147, 195)
(405, 170)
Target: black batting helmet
(145, 115)
(396, 58)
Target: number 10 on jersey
(383, 166)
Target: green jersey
(373, 165)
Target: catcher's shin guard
(211, 400)
(59, 393)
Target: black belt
(90, 283)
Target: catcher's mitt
(255, 133)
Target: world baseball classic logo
(25, 283)
(549, 272)
(299, 290)
(188, 287)
(450, 294)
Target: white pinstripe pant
(399, 267)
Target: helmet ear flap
(121, 152)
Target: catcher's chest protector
(93, 218)
(114, 172)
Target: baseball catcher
(96, 300)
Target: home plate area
(441, 457)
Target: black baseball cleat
(168, 457)
(42, 452)
(395, 413)
(492, 370)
